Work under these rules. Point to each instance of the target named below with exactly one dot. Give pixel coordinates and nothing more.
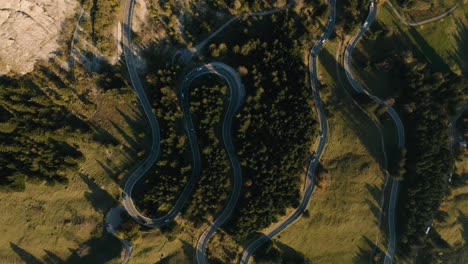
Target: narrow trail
(200, 45)
(414, 24)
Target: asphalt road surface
(154, 125)
(236, 99)
(393, 114)
(215, 68)
(310, 178)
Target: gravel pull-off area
(29, 31)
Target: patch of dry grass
(343, 221)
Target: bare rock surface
(29, 30)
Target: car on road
(365, 24)
(199, 69)
(124, 195)
(323, 41)
(428, 229)
(372, 4)
(182, 95)
(313, 160)
(167, 220)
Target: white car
(372, 4)
(365, 24)
(167, 220)
(323, 41)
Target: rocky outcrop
(29, 30)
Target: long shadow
(103, 136)
(463, 220)
(274, 251)
(108, 171)
(133, 143)
(358, 121)
(99, 198)
(364, 254)
(431, 55)
(24, 255)
(100, 249)
(51, 258)
(460, 51)
(188, 249)
(422, 49)
(290, 255)
(138, 122)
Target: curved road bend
(393, 114)
(236, 99)
(217, 68)
(414, 24)
(154, 125)
(310, 179)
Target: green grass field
(441, 43)
(46, 222)
(423, 9)
(342, 225)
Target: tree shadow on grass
(101, 200)
(24, 255)
(356, 120)
(100, 249)
(366, 255)
(429, 52)
(51, 258)
(463, 220)
(179, 257)
(104, 137)
(290, 255)
(459, 53)
(138, 123)
(128, 138)
(377, 211)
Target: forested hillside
(161, 187)
(213, 188)
(428, 98)
(33, 133)
(276, 124)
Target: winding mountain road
(154, 125)
(310, 177)
(235, 102)
(236, 99)
(393, 114)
